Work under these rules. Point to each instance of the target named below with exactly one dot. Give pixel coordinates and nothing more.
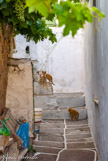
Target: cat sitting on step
(74, 115)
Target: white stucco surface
(63, 60)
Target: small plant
(31, 149)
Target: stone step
(61, 101)
(77, 136)
(49, 144)
(45, 101)
(44, 149)
(89, 139)
(80, 123)
(60, 131)
(78, 132)
(52, 121)
(70, 100)
(64, 114)
(50, 125)
(78, 155)
(80, 145)
(53, 131)
(44, 157)
(49, 137)
(68, 130)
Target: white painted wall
(64, 60)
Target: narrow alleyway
(64, 140)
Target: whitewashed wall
(63, 60)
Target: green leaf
(42, 8)
(8, 1)
(3, 5)
(1, 1)
(98, 12)
(31, 9)
(58, 9)
(66, 30)
(5, 12)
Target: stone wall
(96, 67)
(20, 89)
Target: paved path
(61, 140)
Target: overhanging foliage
(70, 13)
(31, 25)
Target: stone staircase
(59, 138)
(61, 100)
(64, 140)
(56, 106)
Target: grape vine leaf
(44, 7)
(72, 14)
(14, 13)
(97, 13)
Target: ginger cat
(41, 78)
(48, 77)
(73, 114)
